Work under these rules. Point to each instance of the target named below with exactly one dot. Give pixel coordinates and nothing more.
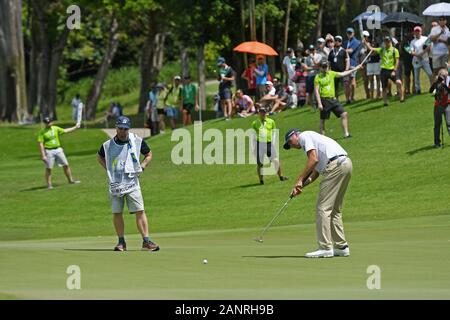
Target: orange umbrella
(256, 47)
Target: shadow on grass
(99, 250)
(299, 111)
(275, 257)
(35, 188)
(250, 185)
(381, 106)
(427, 148)
(360, 103)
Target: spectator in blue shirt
(261, 74)
(352, 46)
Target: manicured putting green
(412, 255)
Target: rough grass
(397, 174)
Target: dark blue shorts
(225, 94)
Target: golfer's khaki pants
(330, 228)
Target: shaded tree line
(38, 52)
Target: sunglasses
(125, 129)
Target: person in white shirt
(74, 103)
(289, 62)
(326, 157)
(439, 36)
(322, 49)
(311, 65)
(420, 57)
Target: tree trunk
(242, 7)
(201, 75)
(286, 36)
(286, 26)
(53, 73)
(338, 18)
(151, 64)
(263, 28)
(12, 69)
(252, 20)
(146, 77)
(320, 18)
(96, 88)
(48, 58)
(184, 62)
(3, 65)
(270, 42)
(19, 60)
(33, 70)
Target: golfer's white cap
(269, 83)
(366, 33)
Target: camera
(426, 44)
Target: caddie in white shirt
(328, 158)
(120, 156)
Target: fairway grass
(396, 214)
(412, 255)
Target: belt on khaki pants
(336, 157)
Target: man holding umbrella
(439, 36)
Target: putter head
(259, 240)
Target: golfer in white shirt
(326, 157)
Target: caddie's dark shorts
(264, 148)
(385, 76)
(331, 105)
(188, 107)
(225, 94)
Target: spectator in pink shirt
(243, 104)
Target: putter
(442, 132)
(291, 196)
(280, 211)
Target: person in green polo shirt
(189, 100)
(390, 59)
(264, 127)
(326, 98)
(51, 151)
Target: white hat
(270, 83)
(291, 88)
(177, 78)
(321, 40)
(366, 33)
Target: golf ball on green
(205, 261)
